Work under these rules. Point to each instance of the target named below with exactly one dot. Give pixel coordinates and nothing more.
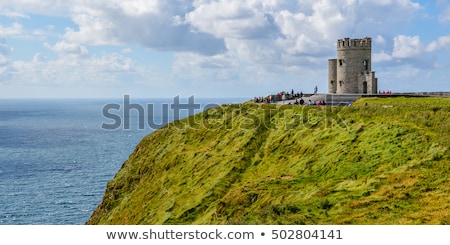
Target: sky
(213, 48)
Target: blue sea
(56, 159)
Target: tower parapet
(348, 43)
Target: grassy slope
(381, 161)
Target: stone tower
(351, 72)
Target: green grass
(380, 161)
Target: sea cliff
(379, 161)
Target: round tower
(353, 62)
(332, 76)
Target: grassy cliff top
(380, 161)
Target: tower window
(341, 62)
(366, 65)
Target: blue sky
(220, 48)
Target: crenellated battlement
(348, 43)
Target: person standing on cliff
(315, 90)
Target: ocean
(57, 155)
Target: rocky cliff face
(381, 161)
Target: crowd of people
(286, 96)
(299, 98)
(310, 102)
(385, 92)
(281, 96)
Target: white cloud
(126, 51)
(5, 51)
(93, 30)
(39, 32)
(205, 27)
(408, 72)
(380, 39)
(406, 4)
(14, 30)
(13, 14)
(232, 19)
(38, 57)
(254, 51)
(146, 23)
(139, 7)
(439, 44)
(65, 48)
(3, 60)
(52, 7)
(104, 70)
(197, 68)
(445, 15)
(5, 48)
(191, 61)
(407, 47)
(381, 57)
(409, 51)
(411, 46)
